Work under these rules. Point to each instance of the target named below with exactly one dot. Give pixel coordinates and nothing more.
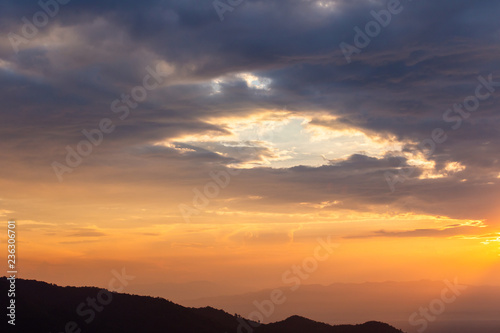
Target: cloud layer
(264, 57)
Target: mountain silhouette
(474, 310)
(297, 324)
(44, 307)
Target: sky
(223, 141)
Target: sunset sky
(221, 150)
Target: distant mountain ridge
(44, 307)
(297, 324)
(475, 309)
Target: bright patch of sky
(289, 140)
(253, 81)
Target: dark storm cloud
(427, 59)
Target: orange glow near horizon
(253, 254)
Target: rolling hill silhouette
(44, 307)
(297, 324)
(474, 310)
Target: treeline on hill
(44, 307)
